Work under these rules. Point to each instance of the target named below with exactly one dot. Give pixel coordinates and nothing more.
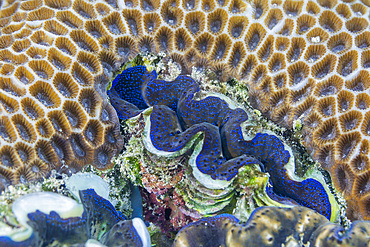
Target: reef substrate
(302, 60)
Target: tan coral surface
(300, 58)
(53, 108)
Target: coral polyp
(182, 119)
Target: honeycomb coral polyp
(47, 88)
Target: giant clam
(46, 218)
(200, 155)
(272, 226)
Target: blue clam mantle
(181, 115)
(273, 226)
(54, 221)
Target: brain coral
(300, 58)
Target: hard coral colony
(300, 59)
